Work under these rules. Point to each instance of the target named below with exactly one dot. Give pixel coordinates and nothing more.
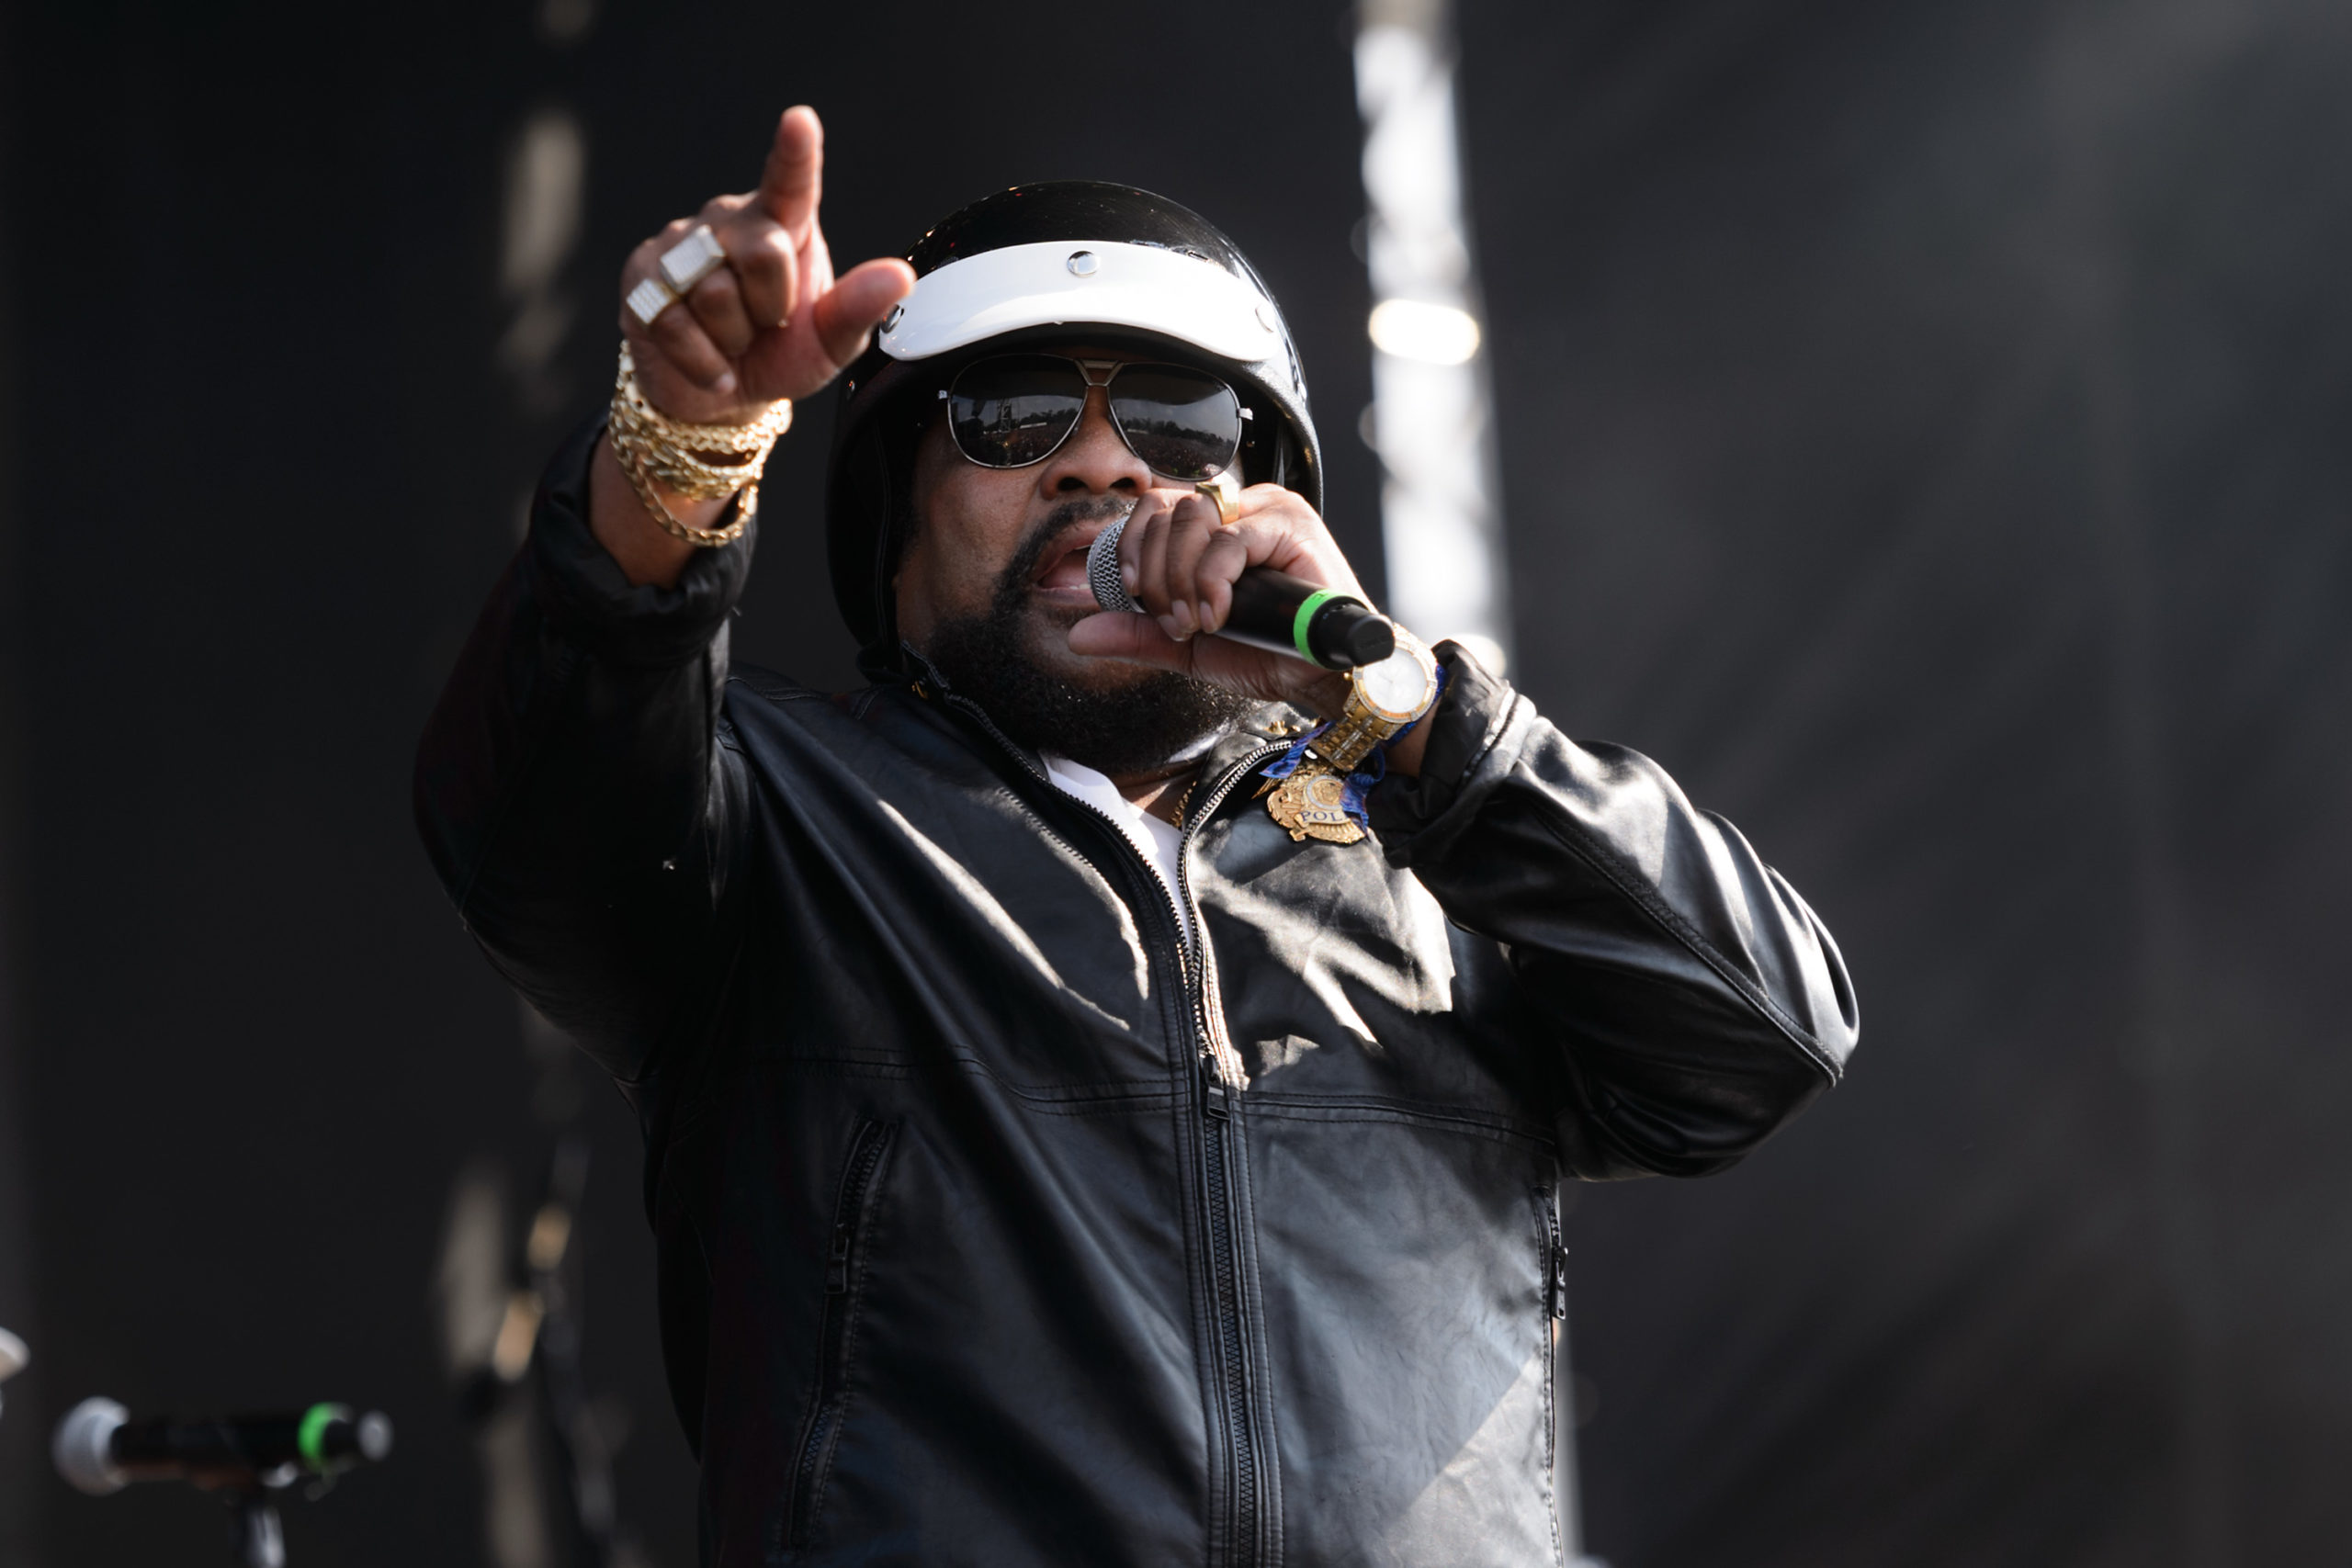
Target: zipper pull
(1556, 1288)
(1213, 1096)
(837, 1262)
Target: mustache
(1106, 509)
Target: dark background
(1922, 429)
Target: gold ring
(691, 260)
(1226, 495)
(650, 299)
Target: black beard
(1134, 729)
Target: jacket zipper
(1555, 1259)
(1219, 1074)
(1555, 1312)
(822, 1431)
(1233, 1349)
(1221, 1077)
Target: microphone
(1271, 610)
(13, 1355)
(99, 1449)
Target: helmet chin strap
(872, 469)
(1278, 469)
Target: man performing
(1095, 1113)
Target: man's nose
(1094, 459)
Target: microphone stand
(259, 1535)
(537, 1356)
(583, 1453)
(242, 1461)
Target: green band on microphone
(309, 1438)
(1307, 609)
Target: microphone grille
(375, 1436)
(1102, 570)
(82, 1448)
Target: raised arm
(1697, 1001)
(740, 341)
(570, 788)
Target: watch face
(1400, 685)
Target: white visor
(1064, 283)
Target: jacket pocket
(845, 1271)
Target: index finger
(794, 177)
(1133, 528)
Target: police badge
(1311, 804)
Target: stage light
(1434, 334)
(1431, 417)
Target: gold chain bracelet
(650, 445)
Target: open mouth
(1061, 564)
(1064, 572)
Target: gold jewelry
(1225, 493)
(1383, 700)
(686, 457)
(632, 464)
(679, 268)
(649, 299)
(1312, 803)
(692, 259)
(651, 445)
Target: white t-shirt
(1159, 843)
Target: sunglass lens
(1013, 410)
(1184, 423)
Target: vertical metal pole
(1430, 418)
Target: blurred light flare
(1434, 334)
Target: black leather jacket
(993, 1229)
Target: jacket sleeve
(571, 787)
(1697, 1002)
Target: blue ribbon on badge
(1287, 764)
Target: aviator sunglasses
(1012, 409)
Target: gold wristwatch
(1383, 699)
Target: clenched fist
(773, 322)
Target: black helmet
(1032, 264)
